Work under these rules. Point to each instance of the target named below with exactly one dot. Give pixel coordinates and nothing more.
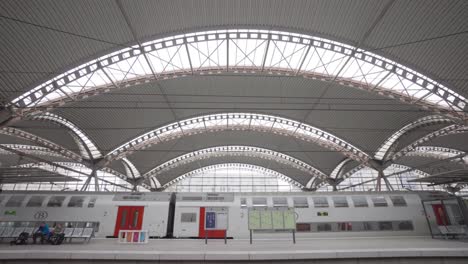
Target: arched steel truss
(222, 151)
(243, 52)
(87, 147)
(385, 149)
(439, 153)
(448, 130)
(235, 165)
(30, 149)
(130, 169)
(14, 132)
(239, 121)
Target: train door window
(188, 217)
(385, 226)
(135, 214)
(35, 201)
(379, 201)
(370, 226)
(56, 201)
(123, 219)
(359, 201)
(15, 201)
(398, 201)
(76, 201)
(340, 201)
(303, 227)
(320, 202)
(404, 225)
(280, 202)
(92, 202)
(259, 202)
(243, 203)
(321, 227)
(300, 202)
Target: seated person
(42, 231)
(58, 229)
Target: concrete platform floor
(280, 251)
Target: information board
(290, 219)
(271, 219)
(266, 220)
(278, 220)
(254, 220)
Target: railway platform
(318, 250)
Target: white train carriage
(218, 215)
(333, 214)
(106, 213)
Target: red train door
(202, 232)
(129, 218)
(441, 216)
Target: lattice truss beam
(223, 151)
(15, 132)
(254, 168)
(244, 52)
(239, 121)
(440, 153)
(386, 150)
(29, 149)
(448, 130)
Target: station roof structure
(313, 90)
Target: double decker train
(216, 215)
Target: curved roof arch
(249, 151)
(88, 149)
(15, 132)
(244, 51)
(30, 149)
(448, 130)
(239, 121)
(439, 153)
(259, 169)
(384, 150)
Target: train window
(56, 201)
(300, 202)
(92, 202)
(15, 201)
(243, 202)
(280, 202)
(76, 201)
(35, 201)
(404, 225)
(398, 200)
(340, 201)
(385, 226)
(1, 199)
(323, 227)
(359, 201)
(303, 227)
(259, 202)
(379, 201)
(345, 226)
(320, 202)
(188, 217)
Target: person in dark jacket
(42, 232)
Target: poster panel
(278, 221)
